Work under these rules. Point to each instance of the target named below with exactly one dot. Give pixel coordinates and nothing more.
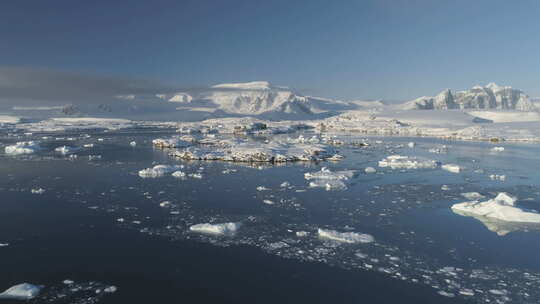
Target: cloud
(23, 85)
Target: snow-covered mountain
(491, 96)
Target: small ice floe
(370, 170)
(407, 162)
(328, 179)
(66, 150)
(227, 229)
(24, 291)
(285, 185)
(196, 175)
(23, 147)
(37, 191)
(178, 174)
(497, 177)
(133, 143)
(110, 289)
(345, 237)
(497, 149)
(302, 233)
(4, 244)
(262, 188)
(68, 282)
(445, 188)
(335, 157)
(438, 150)
(473, 196)
(157, 171)
(164, 204)
(174, 142)
(502, 207)
(268, 202)
(411, 144)
(88, 145)
(451, 168)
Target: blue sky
(394, 50)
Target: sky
(381, 49)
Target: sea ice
(473, 196)
(66, 150)
(328, 179)
(503, 208)
(451, 168)
(216, 229)
(370, 170)
(157, 171)
(24, 291)
(22, 147)
(37, 191)
(497, 149)
(345, 237)
(406, 162)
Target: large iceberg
(502, 208)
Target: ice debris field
(421, 192)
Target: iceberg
(502, 207)
(227, 229)
(24, 291)
(451, 168)
(345, 237)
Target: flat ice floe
(451, 168)
(345, 237)
(23, 147)
(24, 291)
(227, 229)
(407, 162)
(503, 208)
(66, 150)
(157, 171)
(328, 179)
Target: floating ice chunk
(285, 185)
(68, 282)
(262, 188)
(446, 294)
(174, 142)
(110, 289)
(66, 150)
(37, 191)
(178, 174)
(473, 196)
(157, 171)
(228, 229)
(445, 188)
(451, 168)
(88, 145)
(370, 170)
(4, 244)
(503, 208)
(24, 291)
(195, 175)
(345, 237)
(268, 202)
(23, 147)
(165, 204)
(411, 144)
(497, 149)
(133, 143)
(328, 179)
(498, 177)
(406, 162)
(302, 233)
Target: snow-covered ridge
(253, 85)
(491, 96)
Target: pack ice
(23, 147)
(502, 207)
(24, 291)
(407, 162)
(216, 229)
